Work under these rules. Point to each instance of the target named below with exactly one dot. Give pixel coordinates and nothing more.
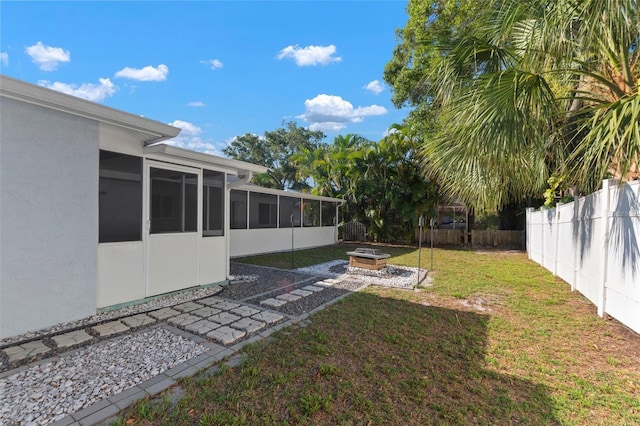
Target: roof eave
(242, 168)
(150, 131)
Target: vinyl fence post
(556, 227)
(527, 234)
(542, 226)
(604, 258)
(574, 246)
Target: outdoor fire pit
(368, 258)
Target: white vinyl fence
(593, 243)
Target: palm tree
(542, 88)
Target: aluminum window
(120, 197)
(290, 208)
(328, 213)
(238, 201)
(311, 210)
(174, 201)
(263, 210)
(212, 203)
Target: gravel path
(261, 279)
(160, 302)
(274, 282)
(49, 391)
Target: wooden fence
(354, 231)
(476, 239)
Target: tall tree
(536, 89)
(382, 182)
(424, 39)
(276, 150)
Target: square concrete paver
(187, 307)
(313, 288)
(273, 302)
(226, 306)
(206, 311)
(73, 338)
(301, 293)
(202, 326)
(164, 313)
(26, 350)
(249, 325)
(109, 328)
(245, 311)
(268, 317)
(224, 318)
(183, 319)
(210, 301)
(138, 320)
(226, 335)
(288, 297)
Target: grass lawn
(495, 340)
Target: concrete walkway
(219, 325)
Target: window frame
(334, 213)
(206, 203)
(186, 222)
(107, 176)
(256, 215)
(308, 220)
(232, 209)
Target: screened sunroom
(264, 220)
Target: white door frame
(146, 212)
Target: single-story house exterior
(264, 220)
(96, 213)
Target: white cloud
(390, 131)
(189, 138)
(374, 86)
(46, 56)
(310, 55)
(332, 113)
(213, 63)
(148, 73)
(4, 59)
(196, 104)
(89, 91)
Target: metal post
(335, 236)
(292, 229)
(432, 223)
(420, 225)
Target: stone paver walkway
(26, 350)
(223, 325)
(71, 339)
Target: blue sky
(215, 69)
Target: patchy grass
(495, 340)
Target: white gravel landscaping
(390, 276)
(49, 391)
(157, 303)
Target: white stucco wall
(247, 242)
(121, 276)
(48, 217)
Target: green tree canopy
(524, 91)
(275, 150)
(382, 182)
